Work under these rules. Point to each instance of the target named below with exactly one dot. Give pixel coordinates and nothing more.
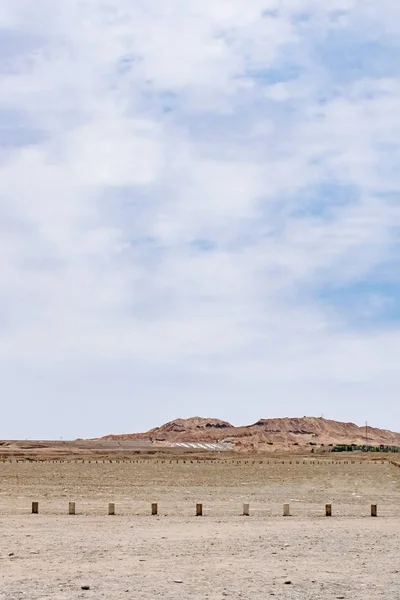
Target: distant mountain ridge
(283, 432)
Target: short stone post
(328, 510)
(246, 510)
(199, 510)
(111, 508)
(71, 508)
(286, 510)
(35, 508)
(374, 510)
(154, 509)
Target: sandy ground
(134, 555)
(237, 558)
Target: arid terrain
(194, 435)
(220, 555)
(286, 434)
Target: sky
(199, 213)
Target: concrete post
(286, 510)
(35, 508)
(199, 510)
(111, 508)
(154, 509)
(71, 508)
(246, 510)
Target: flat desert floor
(221, 555)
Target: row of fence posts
(203, 462)
(199, 509)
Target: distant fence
(199, 461)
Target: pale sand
(141, 557)
(221, 555)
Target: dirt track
(220, 555)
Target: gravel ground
(247, 558)
(221, 487)
(221, 555)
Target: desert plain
(222, 554)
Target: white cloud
(190, 183)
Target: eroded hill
(281, 433)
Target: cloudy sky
(199, 212)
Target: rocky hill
(279, 433)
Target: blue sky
(199, 212)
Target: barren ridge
(282, 432)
